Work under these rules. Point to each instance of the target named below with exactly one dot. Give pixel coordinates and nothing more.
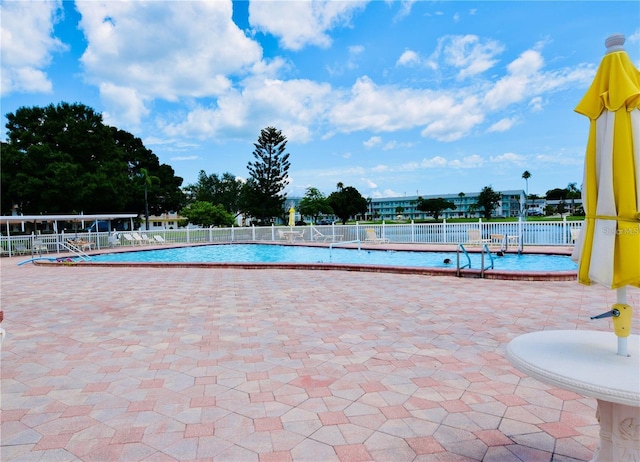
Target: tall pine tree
(263, 196)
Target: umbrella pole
(621, 297)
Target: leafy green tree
(487, 201)
(561, 208)
(63, 158)
(224, 190)
(347, 202)
(573, 192)
(206, 214)
(556, 194)
(314, 204)
(263, 196)
(434, 206)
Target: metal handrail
(77, 251)
(482, 267)
(464, 251)
(343, 242)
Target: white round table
(586, 363)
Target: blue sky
(393, 98)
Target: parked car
(324, 221)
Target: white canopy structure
(83, 219)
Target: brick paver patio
(154, 364)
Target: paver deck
(161, 364)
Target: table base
(619, 433)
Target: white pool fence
(525, 233)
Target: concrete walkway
(155, 364)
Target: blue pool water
(260, 253)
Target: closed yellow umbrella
(292, 216)
(608, 248)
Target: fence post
(413, 232)
(564, 230)
(444, 231)
(188, 236)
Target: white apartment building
(510, 205)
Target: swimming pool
(266, 254)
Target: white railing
(525, 233)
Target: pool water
(261, 253)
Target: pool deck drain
(141, 364)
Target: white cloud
(509, 158)
(472, 161)
(183, 158)
(526, 79)
(126, 103)
(166, 50)
(405, 9)
(445, 116)
(373, 141)
(434, 162)
(503, 125)
(536, 104)
(468, 53)
(26, 34)
(294, 106)
(370, 184)
(408, 58)
(301, 23)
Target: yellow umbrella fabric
(292, 216)
(608, 249)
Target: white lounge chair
(159, 239)
(372, 238)
(475, 237)
(140, 239)
(318, 236)
(129, 238)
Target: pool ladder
(343, 242)
(483, 249)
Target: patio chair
(159, 239)
(39, 246)
(138, 238)
(475, 237)
(372, 238)
(575, 233)
(129, 238)
(20, 249)
(318, 236)
(113, 240)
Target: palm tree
(526, 175)
(461, 195)
(148, 182)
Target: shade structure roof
(11, 219)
